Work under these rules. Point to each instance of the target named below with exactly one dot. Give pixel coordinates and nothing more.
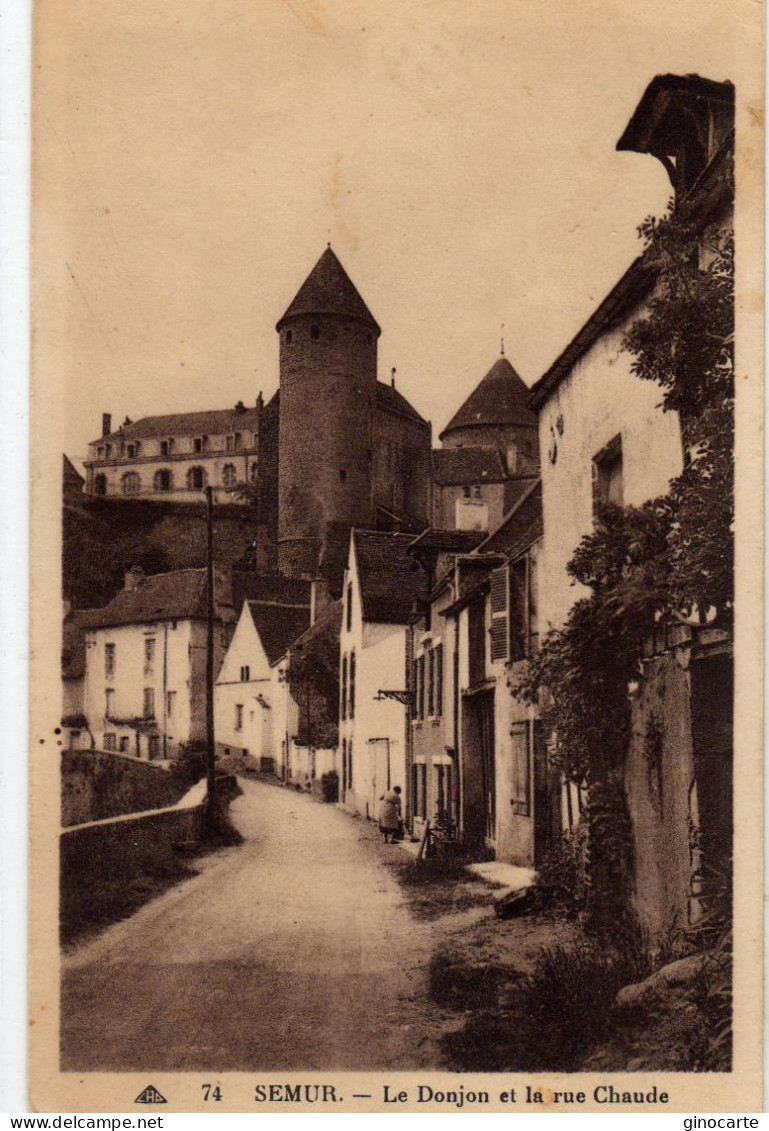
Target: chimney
(106, 423)
(320, 597)
(240, 407)
(133, 578)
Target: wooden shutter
(500, 614)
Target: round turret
(328, 367)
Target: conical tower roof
(501, 398)
(328, 289)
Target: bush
(561, 877)
(330, 786)
(555, 1015)
(191, 764)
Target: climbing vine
(670, 558)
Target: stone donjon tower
(328, 389)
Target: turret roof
(328, 289)
(501, 398)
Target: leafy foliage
(670, 558)
(313, 678)
(685, 344)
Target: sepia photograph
(392, 376)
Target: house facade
(175, 457)
(245, 692)
(678, 768)
(145, 663)
(381, 592)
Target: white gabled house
(383, 588)
(248, 690)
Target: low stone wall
(99, 784)
(121, 848)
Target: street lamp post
(210, 747)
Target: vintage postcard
(396, 556)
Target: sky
(192, 160)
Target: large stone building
(334, 449)
(175, 457)
(352, 451)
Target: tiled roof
(271, 587)
(467, 465)
(391, 400)
(448, 541)
(215, 422)
(328, 289)
(389, 582)
(278, 625)
(501, 398)
(180, 595)
(71, 473)
(520, 527)
(328, 624)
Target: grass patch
(88, 911)
(549, 1019)
(439, 886)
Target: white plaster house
(247, 717)
(145, 662)
(174, 457)
(604, 437)
(382, 588)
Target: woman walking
(390, 813)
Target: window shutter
(500, 618)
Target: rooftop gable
(179, 595)
(501, 398)
(211, 422)
(389, 581)
(328, 289)
(278, 625)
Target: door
(479, 801)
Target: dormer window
(166, 447)
(108, 451)
(314, 332)
(132, 451)
(197, 444)
(289, 336)
(100, 453)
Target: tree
(669, 559)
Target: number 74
(211, 1092)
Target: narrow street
(295, 950)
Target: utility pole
(210, 747)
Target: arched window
(163, 480)
(100, 485)
(229, 475)
(131, 483)
(196, 478)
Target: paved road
(294, 950)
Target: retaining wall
(99, 784)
